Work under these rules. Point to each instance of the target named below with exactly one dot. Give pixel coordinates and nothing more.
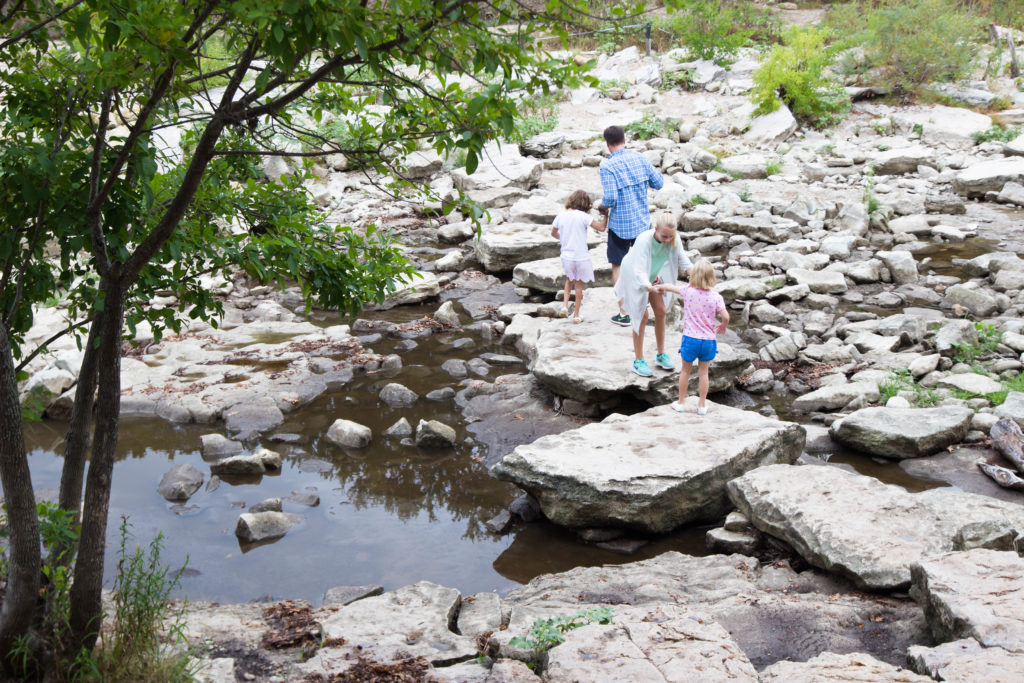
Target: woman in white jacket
(654, 259)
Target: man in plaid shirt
(625, 177)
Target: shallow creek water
(390, 514)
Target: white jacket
(634, 278)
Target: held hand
(721, 328)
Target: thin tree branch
(41, 346)
(42, 24)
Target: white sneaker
(678, 407)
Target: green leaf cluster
(997, 133)
(651, 125)
(796, 73)
(546, 633)
(708, 29)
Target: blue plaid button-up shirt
(625, 177)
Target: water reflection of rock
(513, 410)
(544, 548)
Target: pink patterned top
(699, 309)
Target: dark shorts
(698, 349)
(618, 248)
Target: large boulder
(651, 472)
(836, 396)
(903, 432)
(771, 129)
(503, 246)
(500, 166)
(943, 125)
(819, 281)
(547, 275)
(976, 300)
(857, 526)
(535, 209)
(965, 660)
(903, 160)
(989, 176)
(976, 594)
(410, 289)
(592, 362)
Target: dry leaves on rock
(364, 671)
(291, 625)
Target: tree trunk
(76, 443)
(24, 570)
(88, 582)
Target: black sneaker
(620, 319)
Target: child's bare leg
(565, 294)
(579, 298)
(684, 381)
(638, 339)
(702, 381)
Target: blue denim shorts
(618, 248)
(698, 349)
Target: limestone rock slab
(968, 661)
(829, 666)
(903, 432)
(500, 166)
(592, 362)
(547, 275)
(977, 593)
(653, 471)
(989, 176)
(414, 621)
(503, 246)
(857, 526)
(664, 642)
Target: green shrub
(537, 115)
(918, 42)
(998, 133)
(708, 30)
(795, 73)
(651, 126)
(546, 633)
(682, 79)
(773, 167)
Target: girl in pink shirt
(701, 305)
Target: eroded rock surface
(652, 471)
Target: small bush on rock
(919, 42)
(795, 72)
(651, 126)
(708, 30)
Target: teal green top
(659, 254)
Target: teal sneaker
(664, 362)
(640, 368)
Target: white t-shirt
(572, 233)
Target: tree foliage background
(101, 208)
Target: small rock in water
(348, 434)
(261, 526)
(315, 465)
(500, 523)
(391, 362)
(400, 428)
(308, 499)
(434, 434)
(445, 394)
(344, 595)
(213, 484)
(526, 508)
(723, 541)
(455, 367)
(397, 395)
(218, 446)
(267, 505)
(239, 465)
(478, 366)
(463, 343)
(180, 482)
(406, 345)
(447, 314)
(282, 437)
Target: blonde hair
(579, 200)
(702, 275)
(666, 219)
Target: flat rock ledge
(829, 666)
(973, 594)
(903, 432)
(858, 527)
(592, 362)
(649, 472)
(414, 621)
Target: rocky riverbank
(877, 291)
